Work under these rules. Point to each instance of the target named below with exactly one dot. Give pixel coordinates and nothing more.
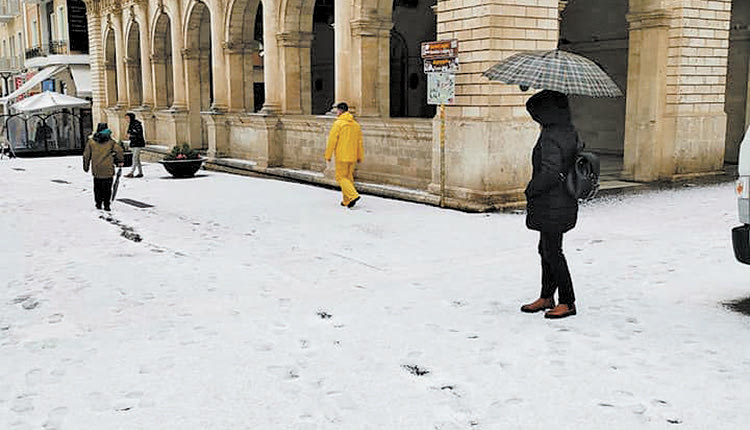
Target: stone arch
(414, 22)
(323, 57)
(110, 68)
(161, 60)
(199, 69)
(245, 63)
(133, 69)
(599, 30)
(294, 42)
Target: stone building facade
(251, 80)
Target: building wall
(674, 71)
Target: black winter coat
(549, 206)
(135, 132)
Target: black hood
(549, 108)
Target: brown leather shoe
(539, 304)
(561, 311)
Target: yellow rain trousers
(345, 178)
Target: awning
(35, 80)
(49, 101)
(82, 78)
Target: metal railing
(53, 48)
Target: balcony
(54, 48)
(11, 64)
(9, 10)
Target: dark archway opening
(414, 22)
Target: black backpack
(582, 180)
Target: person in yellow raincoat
(345, 143)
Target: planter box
(182, 168)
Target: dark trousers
(555, 273)
(102, 191)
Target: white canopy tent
(49, 101)
(35, 80)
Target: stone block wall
(397, 151)
(696, 81)
(489, 134)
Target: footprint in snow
(415, 369)
(55, 418)
(22, 404)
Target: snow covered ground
(257, 304)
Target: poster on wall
(441, 88)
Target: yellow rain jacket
(345, 140)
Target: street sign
(441, 88)
(441, 65)
(440, 49)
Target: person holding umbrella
(98, 154)
(551, 209)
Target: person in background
(137, 141)
(345, 142)
(98, 154)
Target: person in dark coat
(101, 154)
(137, 141)
(550, 209)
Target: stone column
(344, 87)
(97, 60)
(271, 66)
(145, 44)
(296, 72)
(675, 122)
(158, 62)
(178, 68)
(122, 88)
(644, 155)
(191, 62)
(235, 55)
(489, 134)
(369, 79)
(133, 81)
(219, 63)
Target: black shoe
(98, 205)
(106, 208)
(352, 203)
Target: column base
(487, 162)
(218, 134)
(115, 119)
(170, 128)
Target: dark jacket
(135, 132)
(549, 206)
(99, 152)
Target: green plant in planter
(183, 152)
